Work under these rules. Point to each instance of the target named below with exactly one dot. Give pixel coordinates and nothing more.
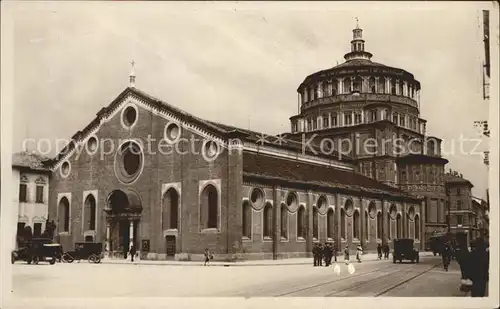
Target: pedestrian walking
(359, 252)
(332, 251)
(346, 254)
(133, 251)
(386, 251)
(208, 256)
(446, 255)
(320, 255)
(379, 251)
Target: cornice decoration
(40, 181)
(24, 179)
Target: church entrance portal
(123, 212)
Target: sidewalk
(282, 262)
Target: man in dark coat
(133, 251)
(379, 251)
(327, 254)
(320, 255)
(315, 254)
(478, 268)
(386, 251)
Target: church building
(145, 172)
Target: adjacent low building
(30, 179)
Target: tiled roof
(216, 128)
(32, 161)
(271, 167)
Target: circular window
(65, 169)
(129, 116)
(210, 150)
(172, 132)
(92, 145)
(349, 208)
(322, 202)
(257, 198)
(291, 200)
(372, 210)
(411, 213)
(393, 211)
(128, 162)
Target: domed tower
(371, 112)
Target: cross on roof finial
(132, 75)
(357, 22)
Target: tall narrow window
(379, 225)
(326, 122)
(374, 115)
(356, 224)
(209, 207)
(393, 86)
(39, 194)
(89, 213)
(389, 230)
(268, 221)
(23, 193)
(325, 89)
(459, 219)
(334, 120)
(170, 209)
(284, 222)
(247, 220)
(315, 224)
(63, 215)
(330, 223)
(301, 232)
(381, 85)
(342, 223)
(459, 205)
(371, 84)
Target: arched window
(366, 226)
(170, 210)
(64, 215)
(89, 213)
(399, 226)
(330, 224)
(417, 226)
(326, 89)
(268, 221)
(284, 222)
(379, 225)
(301, 232)
(371, 84)
(334, 88)
(355, 219)
(347, 85)
(209, 207)
(246, 220)
(357, 84)
(342, 223)
(381, 85)
(315, 223)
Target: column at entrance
(131, 234)
(108, 238)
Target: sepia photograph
(298, 151)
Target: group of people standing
(383, 249)
(328, 252)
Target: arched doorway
(123, 214)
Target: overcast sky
(239, 63)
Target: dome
(358, 63)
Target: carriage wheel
(92, 258)
(53, 261)
(97, 259)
